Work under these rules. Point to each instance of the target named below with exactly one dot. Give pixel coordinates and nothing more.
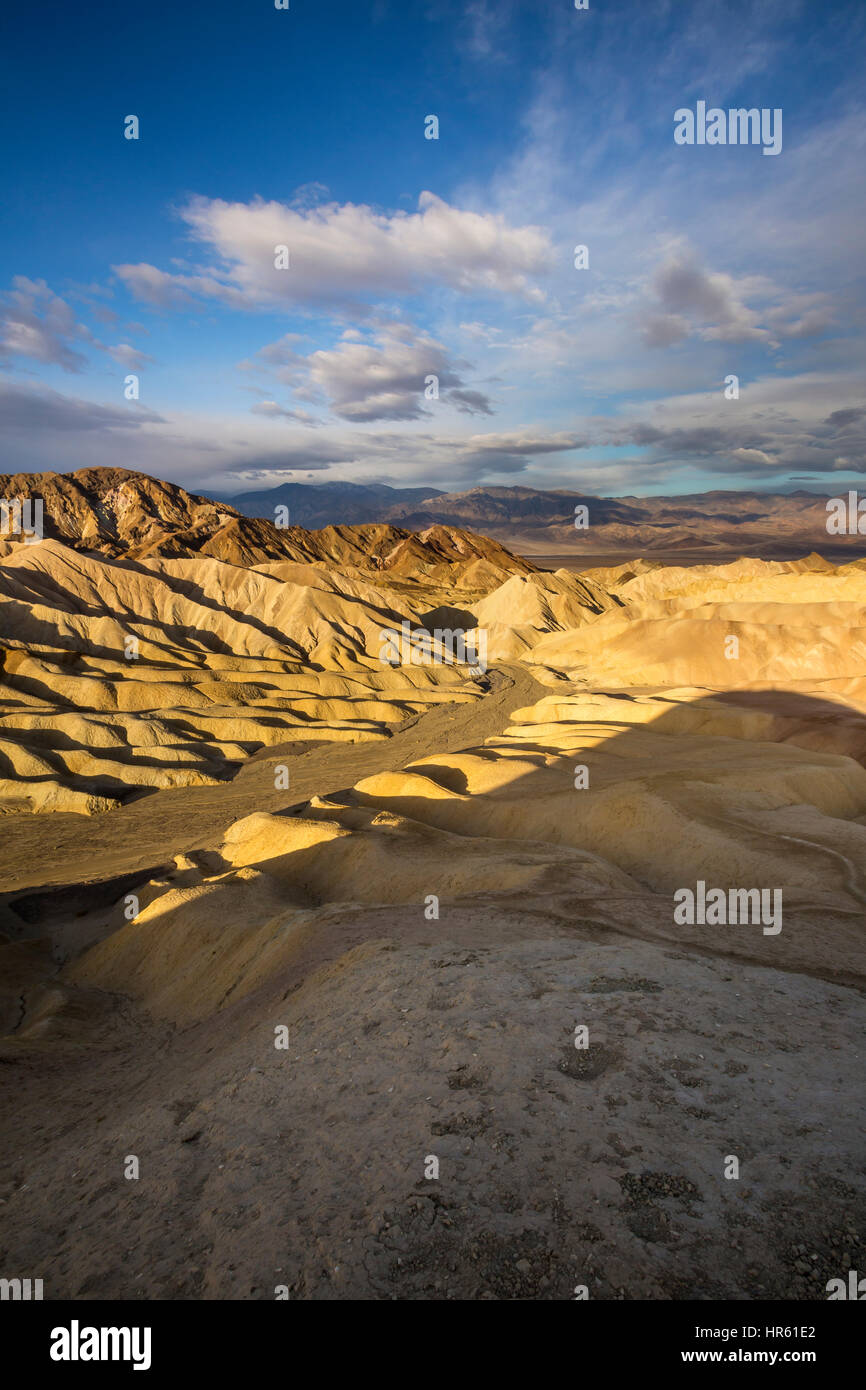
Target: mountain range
(120, 513)
(709, 525)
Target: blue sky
(451, 258)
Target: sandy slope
(224, 661)
(414, 1035)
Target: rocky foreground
(424, 1023)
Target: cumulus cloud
(344, 253)
(690, 300)
(384, 379)
(512, 451)
(750, 456)
(37, 324)
(163, 290)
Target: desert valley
(325, 976)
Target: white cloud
(713, 305)
(129, 356)
(385, 379)
(164, 291)
(37, 324)
(345, 254)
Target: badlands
(327, 979)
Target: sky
(427, 321)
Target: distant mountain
(127, 515)
(536, 522)
(331, 504)
(532, 521)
